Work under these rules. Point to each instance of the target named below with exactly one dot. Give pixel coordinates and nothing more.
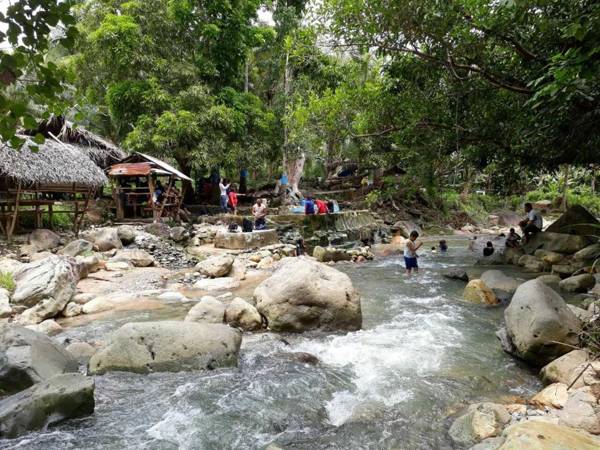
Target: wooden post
(151, 188)
(165, 198)
(85, 208)
(11, 229)
(51, 216)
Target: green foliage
(31, 84)
(7, 281)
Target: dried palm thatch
(54, 163)
(103, 152)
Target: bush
(7, 281)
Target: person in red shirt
(233, 200)
(321, 207)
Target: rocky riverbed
(390, 362)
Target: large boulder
(158, 229)
(241, 314)
(327, 254)
(576, 220)
(543, 435)
(552, 396)
(556, 242)
(242, 241)
(207, 310)
(481, 421)
(512, 255)
(28, 357)
(9, 265)
(476, 291)
(62, 397)
(137, 257)
(578, 283)
(498, 280)
(44, 239)
(104, 238)
(303, 294)
(539, 322)
(77, 247)
(549, 257)
(45, 287)
(589, 253)
(562, 370)
(168, 346)
(215, 266)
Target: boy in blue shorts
(410, 253)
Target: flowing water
(422, 356)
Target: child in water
(443, 246)
(410, 253)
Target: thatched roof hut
(103, 152)
(53, 164)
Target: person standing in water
(410, 253)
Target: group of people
(229, 198)
(312, 206)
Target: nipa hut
(103, 152)
(144, 186)
(33, 180)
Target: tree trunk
(187, 188)
(593, 182)
(563, 203)
(295, 170)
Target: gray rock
(44, 239)
(456, 274)
(45, 287)
(556, 242)
(81, 351)
(533, 264)
(550, 280)
(303, 294)
(497, 280)
(158, 229)
(72, 309)
(126, 234)
(207, 310)
(327, 254)
(28, 357)
(576, 220)
(137, 257)
(179, 234)
(241, 314)
(578, 283)
(537, 321)
(481, 421)
(215, 266)
(49, 327)
(62, 397)
(168, 347)
(217, 284)
(588, 253)
(77, 247)
(104, 238)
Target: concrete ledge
(242, 241)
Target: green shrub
(7, 281)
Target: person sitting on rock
(533, 223)
(309, 206)
(513, 239)
(488, 250)
(321, 207)
(410, 253)
(259, 211)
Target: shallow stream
(422, 356)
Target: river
(421, 356)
